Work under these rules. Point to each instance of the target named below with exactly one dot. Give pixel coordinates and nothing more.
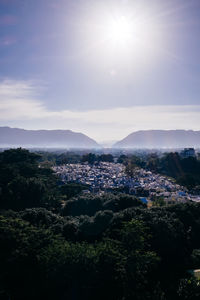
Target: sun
(123, 31)
(119, 29)
(120, 36)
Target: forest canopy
(56, 244)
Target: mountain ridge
(177, 138)
(45, 138)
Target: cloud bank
(20, 106)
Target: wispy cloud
(18, 101)
(20, 106)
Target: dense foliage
(23, 183)
(90, 247)
(69, 157)
(91, 158)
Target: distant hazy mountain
(160, 139)
(44, 138)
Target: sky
(103, 68)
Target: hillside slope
(45, 138)
(160, 139)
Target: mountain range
(160, 139)
(15, 137)
(44, 138)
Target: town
(106, 177)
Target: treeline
(52, 158)
(90, 247)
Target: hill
(44, 138)
(160, 139)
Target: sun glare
(121, 36)
(122, 31)
(119, 30)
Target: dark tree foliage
(93, 247)
(106, 158)
(92, 158)
(122, 159)
(136, 253)
(82, 205)
(185, 170)
(23, 184)
(21, 275)
(90, 204)
(72, 189)
(121, 202)
(40, 217)
(58, 158)
(55, 269)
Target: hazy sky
(104, 68)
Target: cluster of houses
(106, 176)
(101, 176)
(158, 186)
